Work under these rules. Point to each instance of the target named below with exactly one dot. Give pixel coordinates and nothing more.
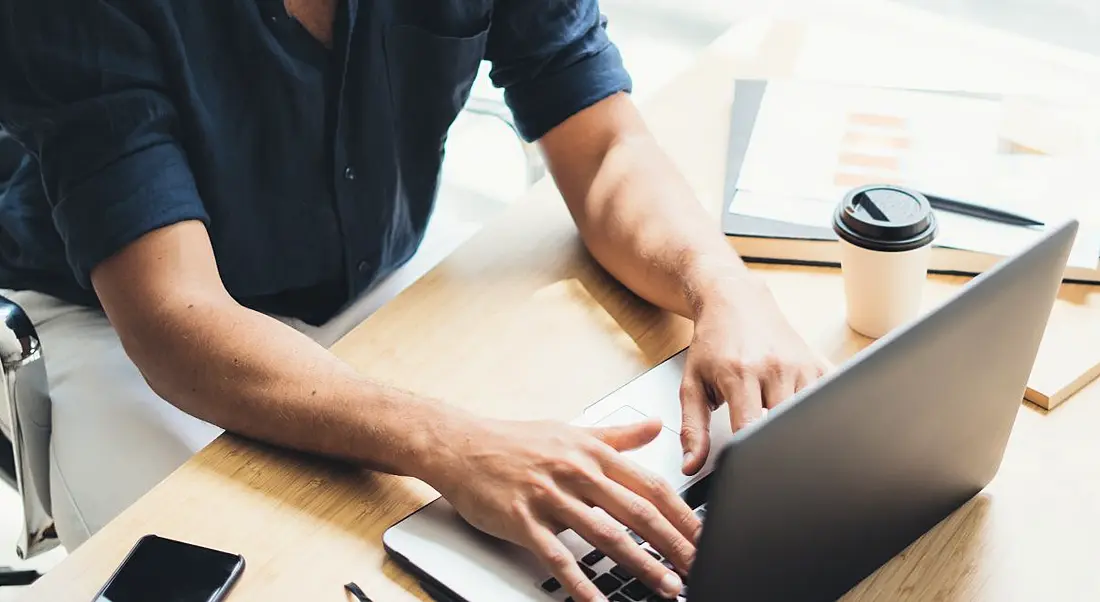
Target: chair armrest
(7, 462)
(26, 402)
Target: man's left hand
(746, 354)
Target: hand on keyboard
(615, 581)
(525, 481)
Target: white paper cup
(882, 290)
(886, 235)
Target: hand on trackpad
(662, 456)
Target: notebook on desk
(795, 148)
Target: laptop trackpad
(663, 455)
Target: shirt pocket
(430, 78)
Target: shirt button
(349, 173)
(362, 267)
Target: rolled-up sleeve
(552, 59)
(81, 89)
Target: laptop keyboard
(615, 581)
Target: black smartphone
(166, 570)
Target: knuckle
(558, 559)
(654, 485)
(650, 570)
(565, 465)
(728, 380)
(607, 533)
(518, 511)
(540, 487)
(592, 447)
(641, 510)
(680, 548)
(687, 516)
(730, 370)
(736, 369)
(689, 430)
(773, 364)
(577, 473)
(765, 367)
(688, 434)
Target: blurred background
(485, 168)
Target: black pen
(357, 591)
(980, 211)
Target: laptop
(832, 484)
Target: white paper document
(811, 144)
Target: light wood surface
(920, 48)
(520, 323)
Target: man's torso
(317, 160)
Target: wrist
(434, 445)
(724, 285)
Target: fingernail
(688, 457)
(670, 585)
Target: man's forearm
(637, 215)
(253, 375)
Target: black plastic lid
(885, 218)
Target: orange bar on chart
(880, 121)
(866, 140)
(868, 160)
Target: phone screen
(172, 571)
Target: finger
(742, 394)
(612, 540)
(778, 388)
(557, 558)
(694, 424)
(628, 436)
(661, 495)
(645, 518)
(805, 378)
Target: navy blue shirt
(314, 170)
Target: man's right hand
(525, 481)
(520, 481)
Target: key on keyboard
(636, 590)
(593, 557)
(606, 583)
(609, 583)
(621, 573)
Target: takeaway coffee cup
(886, 235)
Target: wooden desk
(520, 323)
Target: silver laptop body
(836, 481)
